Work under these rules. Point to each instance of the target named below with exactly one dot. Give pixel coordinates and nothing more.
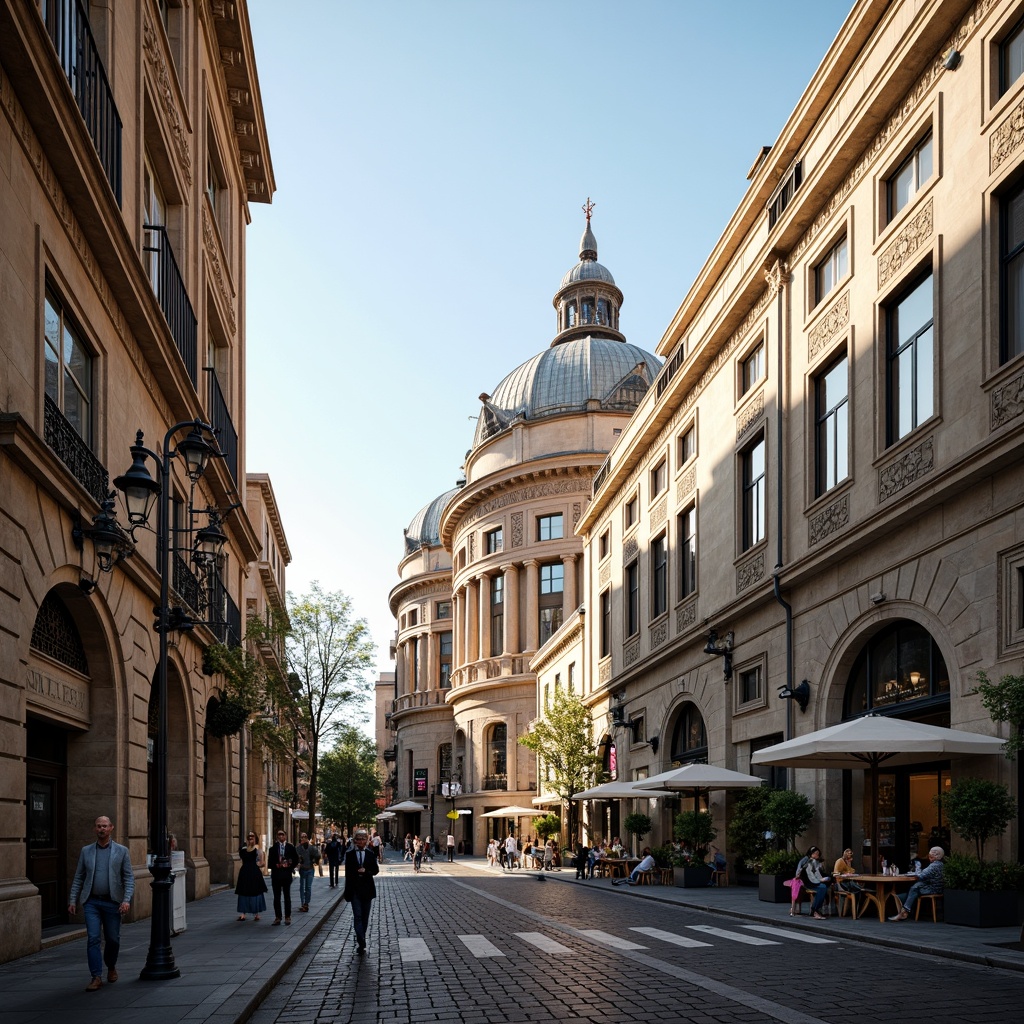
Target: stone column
(472, 621)
(532, 591)
(511, 609)
(484, 627)
(569, 601)
(432, 662)
(458, 633)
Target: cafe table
(616, 867)
(885, 889)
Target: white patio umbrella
(619, 791)
(698, 777)
(407, 805)
(514, 811)
(386, 815)
(870, 741)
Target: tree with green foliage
(547, 826)
(696, 831)
(748, 825)
(350, 780)
(561, 739)
(638, 825)
(1004, 701)
(789, 815)
(977, 810)
(329, 655)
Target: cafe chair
(869, 896)
(935, 898)
(844, 899)
(666, 876)
(645, 878)
(720, 877)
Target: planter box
(980, 909)
(773, 889)
(697, 877)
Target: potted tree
(747, 828)
(978, 894)
(788, 815)
(696, 831)
(638, 825)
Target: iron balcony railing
(224, 616)
(187, 585)
(220, 420)
(71, 449)
(68, 27)
(172, 296)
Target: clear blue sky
(431, 159)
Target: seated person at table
(929, 882)
(617, 847)
(717, 861)
(814, 879)
(647, 864)
(844, 866)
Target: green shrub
(962, 871)
(789, 814)
(662, 856)
(780, 862)
(977, 810)
(696, 831)
(749, 823)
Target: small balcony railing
(172, 296)
(68, 27)
(224, 617)
(220, 420)
(71, 449)
(187, 584)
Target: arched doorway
(901, 672)
(690, 743)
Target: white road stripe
(541, 941)
(480, 945)
(609, 940)
(413, 950)
(724, 933)
(789, 933)
(676, 940)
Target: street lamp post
(452, 789)
(111, 541)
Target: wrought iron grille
(220, 420)
(68, 446)
(55, 634)
(174, 301)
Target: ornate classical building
(132, 142)
(493, 567)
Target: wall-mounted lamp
(877, 598)
(618, 713)
(654, 744)
(801, 694)
(722, 647)
(952, 59)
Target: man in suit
(334, 850)
(105, 883)
(282, 858)
(360, 889)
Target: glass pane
(73, 406)
(924, 162)
(925, 381)
(903, 391)
(1013, 58)
(901, 188)
(842, 467)
(1015, 308)
(883, 670)
(1014, 222)
(915, 310)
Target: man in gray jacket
(105, 883)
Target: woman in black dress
(251, 886)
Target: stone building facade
(131, 143)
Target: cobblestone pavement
(481, 949)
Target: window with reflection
(690, 738)
(497, 739)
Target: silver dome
(587, 270)
(425, 528)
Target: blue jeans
(305, 885)
(361, 917)
(820, 894)
(102, 914)
(916, 890)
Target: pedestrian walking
(512, 851)
(450, 843)
(549, 855)
(378, 846)
(105, 883)
(408, 847)
(309, 858)
(282, 859)
(334, 851)
(360, 889)
(250, 888)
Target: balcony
(220, 420)
(187, 585)
(225, 618)
(68, 28)
(172, 296)
(71, 449)
(419, 699)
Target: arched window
(570, 314)
(495, 757)
(690, 738)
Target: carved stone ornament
(1007, 402)
(604, 575)
(630, 547)
(686, 616)
(659, 513)
(829, 520)
(687, 483)
(577, 511)
(1007, 138)
(750, 414)
(659, 633)
(910, 466)
(604, 671)
(211, 246)
(546, 489)
(899, 252)
(749, 572)
(829, 327)
(517, 529)
(630, 653)
(155, 59)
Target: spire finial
(587, 207)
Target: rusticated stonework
(630, 653)
(1007, 401)
(659, 633)
(687, 483)
(604, 671)
(749, 573)
(545, 489)
(604, 575)
(910, 466)
(1007, 138)
(901, 249)
(829, 520)
(835, 320)
(517, 529)
(658, 513)
(750, 415)
(175, 122)
(630, 547)
(686, 616)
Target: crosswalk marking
(609, 940)
(789, 933)
(542, 942)
(724, 933)
(413, 950)
(480, 945)
(677, 940)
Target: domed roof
(587, 270)
(565, 378)
(424, 530)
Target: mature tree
(329, 654)
(561, 738)
(350, 779)
(977, 810)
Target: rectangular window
(753, 460)
(659, 576)
(686, 446)
(752, 368)
(497, 615)
(445, 673)
(552, 579)
(492, 541)
(783, 195)
(1011, 58)
(443, 610)
(632, 598)
(910, 346)
(832, 437)
(414, 617)
(604, 544)
(831, 270)
(659, 478)
(605, 639)
(1011, 267)
(909, 177)
(549, 527)
(631, 512)
(688, 552)
(750, 685)
(69, 367)
(572, 677)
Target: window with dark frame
(443, 610)
(604, 544)
(552, 584)
(493, 541)
(831, 270)
(69, 367)
(752, 368)
(497, 615)
(908, 178)
(605, 638)
(750, 685)
(445, 666)
(549, 527)
(659, 478)
(832, 431)
(632, 598)
(1011, 57)
(631, 511)
(911, 359)
(1011, 274)
(688, 551)
(687, 445)
(754, 488)
(659, 576)
(783, 195)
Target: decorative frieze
(472, 547)
(604, 575)
(577, 511)
(831, 325)
(544, 489)
(750, 572)
(1007, 138)
(604, 671)
(175, 122)
(686, 616)
(899, 252)
(211, 246)
(750, 414)
(1007, 401)
(687, 483)
(659, 513)
(910, 466)
(517, 529)
(630, 653)
(829, 520)
(630, 547)
(659, 633)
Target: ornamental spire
(588, 243)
